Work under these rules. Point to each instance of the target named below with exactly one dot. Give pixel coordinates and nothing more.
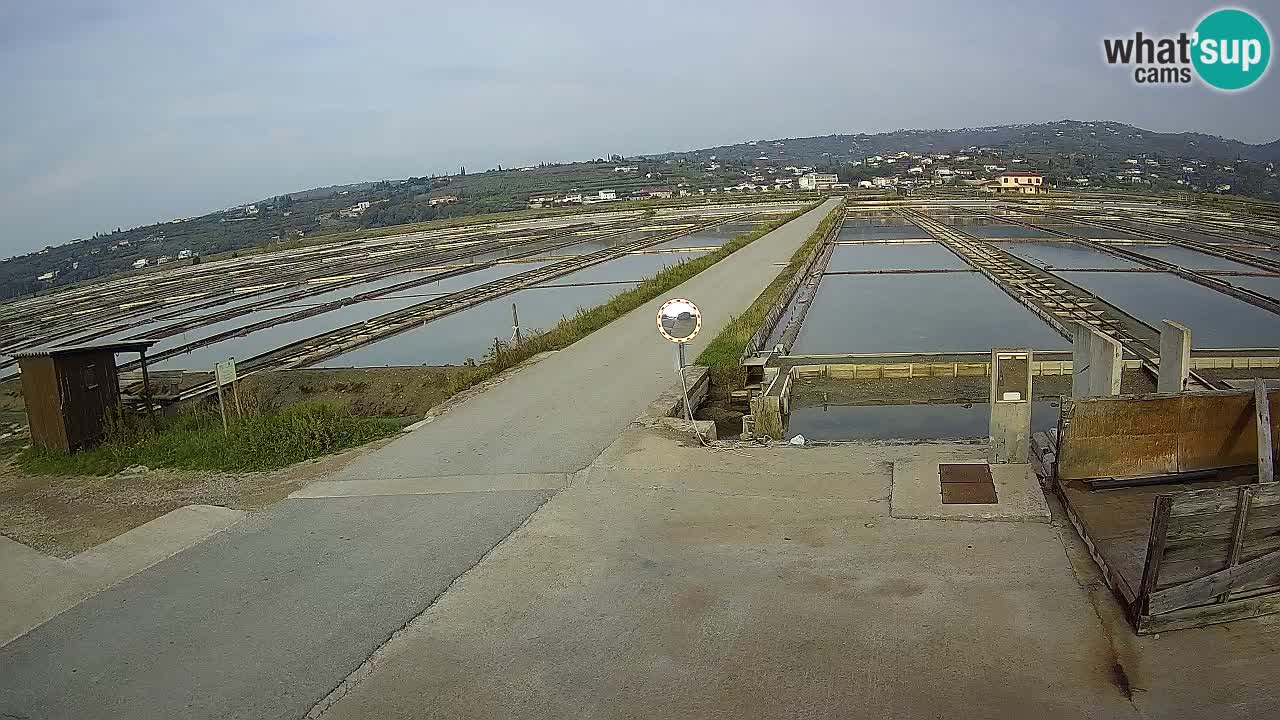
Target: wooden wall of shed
(44, 403)
(90, 392)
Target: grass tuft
(195, 441)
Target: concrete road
(775, 583)
(266, 619)
(766, 583)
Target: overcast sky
(125, 113)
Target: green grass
(571, 329)
(724, 352)
(195, 441)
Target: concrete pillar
(1081, 341)
(1096, 363)
(1106, 361)
(1175, 357)
(1010, 438)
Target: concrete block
(917, 494)
(1096, 363)
(1175, 357)
(1010, 424)
(1105, 365)
(1081, 343)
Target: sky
(118, 114)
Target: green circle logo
(1232, 49)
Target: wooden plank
(1201, 590)
(1257, 542)
(1112, 576)
(1209, 614)
(1262, 411)
(1156, 540)
(1179, 572)
(1237, 533)
(1219, 526)
(1215, 500)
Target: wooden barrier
(1212, 555)
(1207, 555)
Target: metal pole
(235, 391)
(684, 388)
(515, 324)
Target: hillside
(1069, 152)
(1105, 139)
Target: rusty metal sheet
(965, 473)
(1120, 456)
(1216, 431)
(1108, 417)
(1127, 436)
(968, 493)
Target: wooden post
(146, 386)
(1262, 409)
(515, 324)
(1244, 498)
(1156, 541)
(235, 392)
(222, 406)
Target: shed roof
(63, 350)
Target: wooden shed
(71, 390)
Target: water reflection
(917, 313)
(1216, 320)
(907, 422)
(894, 256)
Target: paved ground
(262, 620)
(265, 619)
(37, 587)
(674, 582)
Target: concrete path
(763, 583)
(37, 587)
(775, 583)
(264, 620)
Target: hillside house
(1020, 182)
(818, 181)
